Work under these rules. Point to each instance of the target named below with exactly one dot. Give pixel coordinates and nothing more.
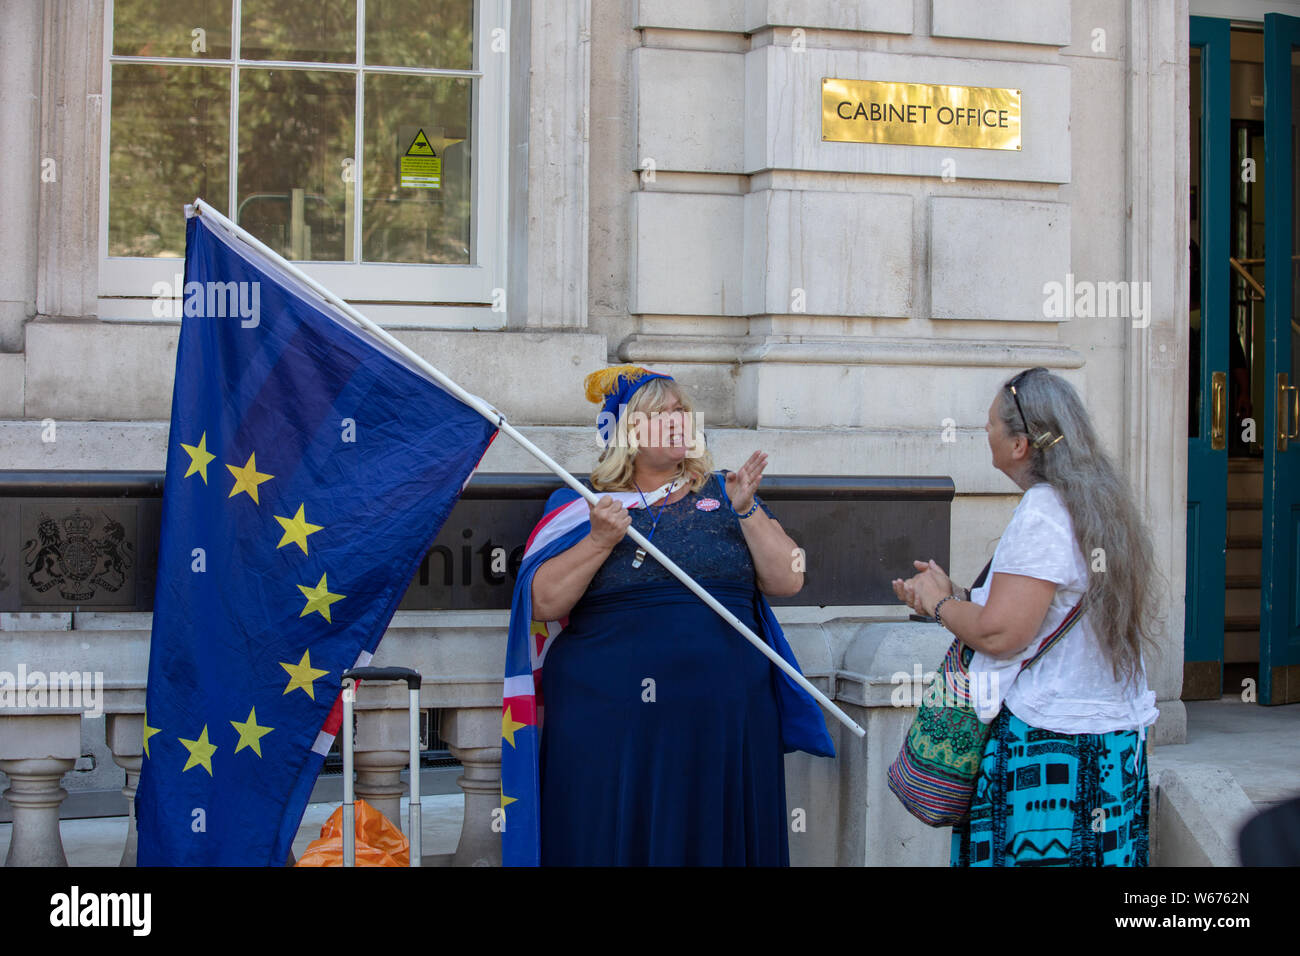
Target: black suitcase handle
(411, 677)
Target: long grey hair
(1065, 452)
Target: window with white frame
(363, 138)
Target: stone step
(1241, 647)
(1246, 484)
(1243, 522)
(1245, 561)
(1240, 602)
(1241, 622)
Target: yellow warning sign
(420, 146)
(421, 167)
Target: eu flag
(309, 468)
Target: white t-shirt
(1071, 688)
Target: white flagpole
(493, 415)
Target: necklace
(654, 521)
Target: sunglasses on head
(1043, 441)
(1011, 387)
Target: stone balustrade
(841, 812)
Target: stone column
(71, 106)
(1155, 401)
(381, 756)
(20, 170)
(473, 736)
(550, 97)
(879, 684)
(126, 741)
(36, 751)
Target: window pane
(416, 190)
(315, 31)
(172, 28)
(1195, 74)
(295, 131)
(426, 33)
(1294, 215)
(170, 142)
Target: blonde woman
(664, 730)
(1063, 780)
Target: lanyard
(654, 520)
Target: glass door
(1279, 679)
(1207, 426)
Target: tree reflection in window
(171, 136)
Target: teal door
(1207, 454)
(1279, 616)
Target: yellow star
(319, 599)
(250, 735)
(201, 752)
(248, 478)
(302, 674)
(296, 530)
(508, 727)
(506, 801)
(199, 457)
(148, 732)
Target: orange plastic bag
(379, 843)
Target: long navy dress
(662, 742)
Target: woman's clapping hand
(923, 590)
(742, 484)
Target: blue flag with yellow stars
(309, 468)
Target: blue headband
(614, 387)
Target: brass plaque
(920, 114)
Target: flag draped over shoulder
(309, 468)
(565, 523)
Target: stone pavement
(1259, 746)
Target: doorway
(1242, 626)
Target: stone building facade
(661, 194)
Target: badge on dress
(708, 504)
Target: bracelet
(752, 508)
(950, 597)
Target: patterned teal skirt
(1049, 799)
